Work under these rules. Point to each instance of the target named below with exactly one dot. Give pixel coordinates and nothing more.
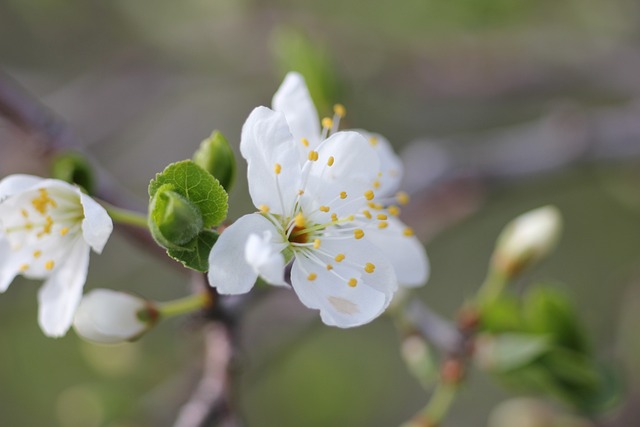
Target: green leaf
(216, 157)
(197, 186)
(173, 220)
(195, 254)
(505, 352)
(501, 315)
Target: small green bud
(173, 219)
(526, 240)
(73, 168)
(216, 157)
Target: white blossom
(321, 204)
(47, 228)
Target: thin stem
(440, 403)
(492, 287)
(126, 216)
(184, 305)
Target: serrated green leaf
(195, 254)
(197, 186)
(173, 220)
(510, 351)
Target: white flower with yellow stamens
(46, 230)
(393, 238)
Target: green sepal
(195, 254)
(216, 157)
(73, 167)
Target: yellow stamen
(300, 192)
(402, 197)
(305, 142)
(358, 234)
(373, 141)
(24, 213)
(381, 217)
(369, 268)
(334, 217)
(339, 110)
(313, 155)
(42, 202)
(36, 254)
(24, 267)
(277, 168)
(312, 276)
(367, 214)
(28, 225)
(49, 264)
(299, 220)
(330, 161)
(339, 257)
(64, 231)
(383, 224)
(324, 208)
(376, 206)
(408, 231)
(327, 123)
(264, 209)
(369, 195)
(316, 243)
(376, 184)
(329, 267)
(394, 210)
(352, 282)
(343, 195)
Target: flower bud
(73, 167)
(109, 317)
(216, 157)
(173, 219)
(526, 240)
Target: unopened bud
(216, 157)
(526, 240)
(109, 317)
(173, 219)
(73, 168)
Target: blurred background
(497, 106)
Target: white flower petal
(263, 254)
(10, 263)
(273, 166)
(13, 184)
(96, 225)
(293, 100)
(339, 304)
(107, 316)
(61, 292)
(391, 168)
(406, 253)
(346, 163)
(229, 271)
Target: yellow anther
(313, 155)
(376, 206)
(264, 209)
(316, 243)
(324, 208)
(343, 195)
(299, 220)
(394, 210)
(369, 195)
(339, 110)
(330, 161)
(24, 267)
(64, 231)
(352, 282)
(28, 225)
(300, 192)
(376, 184)
(305, 142)
(36, 254)
(351, 218)
(49, 264)
(312, 276)
(381, 217)
(334, 217)
(383, 224)
(402, 197)
(339, 257)
(24, 213)
(373, 141)
(46, 228)
(367, 214)
(408, 231)
(327, 122)
(358, 234)
(277, 168)
(41, 202)
(329, 267)
(369, 268)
